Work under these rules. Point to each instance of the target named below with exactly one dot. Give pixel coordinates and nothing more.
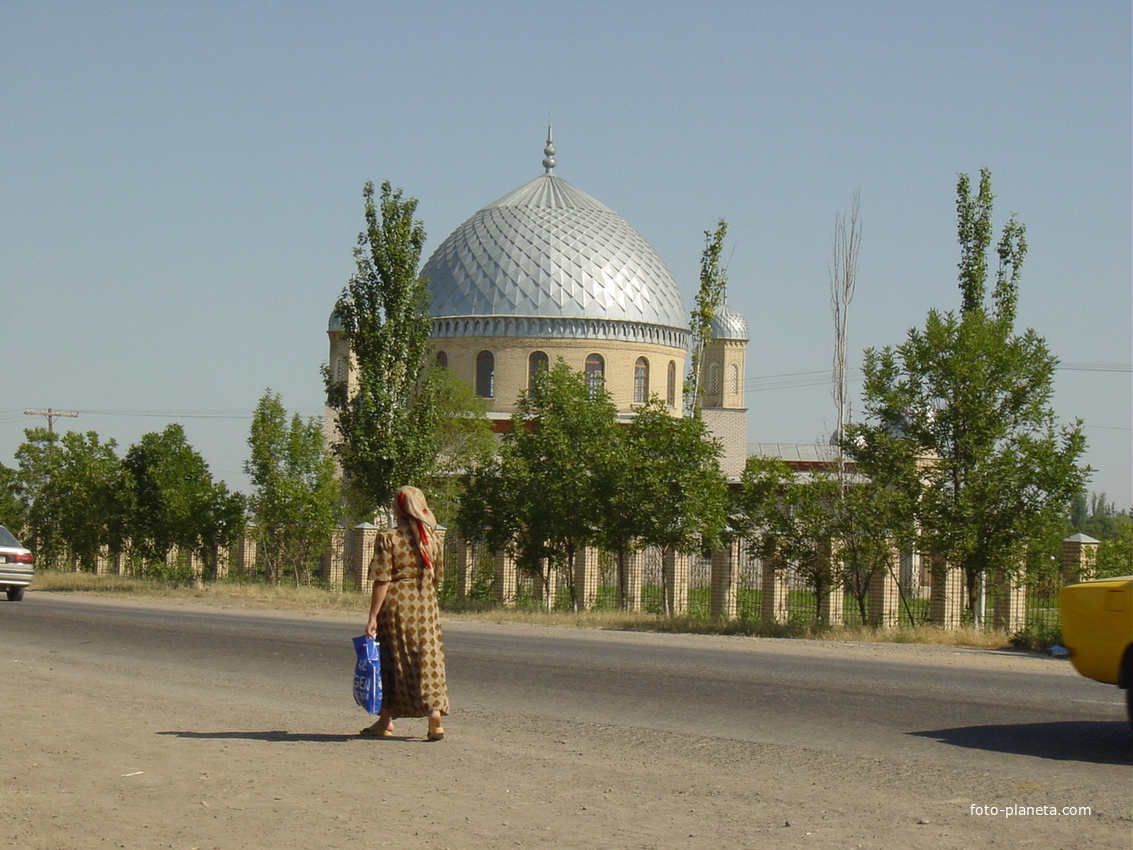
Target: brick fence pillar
(1079, 558)
(359, 552)
(675, 568)
(773, 591)
(947, 595)
(885, 595)
(243, 555)
(725, 565)
(585, 578)
(464, 568)
(505, 584)
(830, 607)
(223, 563)
(332, 560)
(545, 584)
(632, 580)
(1009, 609)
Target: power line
(175, 414)
(1094, 367)
(796, 380)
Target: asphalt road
(910, 704)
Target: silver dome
(549, 260)
(728, 324)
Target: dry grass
(229, 594)
(314, 599)
(932, 635)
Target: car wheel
(15, 594)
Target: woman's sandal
(375, 732)
(436, 733)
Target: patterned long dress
(409, 627)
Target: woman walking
(406, 571)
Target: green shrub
(1038, 635)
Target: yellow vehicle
(1097, 628)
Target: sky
(181, 183)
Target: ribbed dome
(728, 324)
(551, 251)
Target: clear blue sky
(181, 183)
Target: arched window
(340, 372)
(537, 362)
(485, 374)
(442, 359)
(714, 379)
(735, 378)
(595, 372)
(641, 381)
(671, 388)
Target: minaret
(724, 409)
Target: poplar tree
(387, 433)
(960, 417)
(295, 497)
(713, 283)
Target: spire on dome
(549, 153)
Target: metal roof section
(729, 324)
(548, 257)
(795, 452)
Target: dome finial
(549, 153)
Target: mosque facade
(548, 272)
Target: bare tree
(843, 279)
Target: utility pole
(52, 415)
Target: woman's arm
(377, 597)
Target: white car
(17, 565)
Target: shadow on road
(271, 736)
(1097, 742)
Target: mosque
(548, 272)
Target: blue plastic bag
(368, 675)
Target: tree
(464, 441)
(176, 501)
(791, 520)
(79, 496)
(665, 488)
(541, 498)
(39, 460)
(1096, 516)
(871, 526)
(386, 422)
(96, 505)
(713, 283)
(13, 512)
(1115, 554)
(960, 413)
(843, 281)
(295, 497)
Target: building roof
(728, 324)
(795, 452)
(551, 251)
